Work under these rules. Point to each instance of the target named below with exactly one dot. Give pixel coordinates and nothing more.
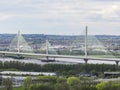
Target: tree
(7, 83)
(27, 82)
(0, 80)
(47, 79)
(61, 86)
(42, 87)
(74, 83)
(61, 80)
(106, 85)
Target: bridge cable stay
(19, 44)
(49, 50)
(47, 47)
(94, 46)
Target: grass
(18, 88)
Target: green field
(19, 88)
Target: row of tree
(60, 69)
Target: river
(57, 61)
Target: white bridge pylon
(48, 48)
(18, 44)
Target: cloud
(60, 13)
(76, 10)
(110, 11)
(4, 16)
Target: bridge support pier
(86, 61)
(47, 58)
(3, 55)
(117, 63)
(54, 59)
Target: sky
(60, 17)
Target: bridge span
(47, 56)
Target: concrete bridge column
(54, 58)
(3, 55)
(47, 58)
(117, 63)
(86, 60)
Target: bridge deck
(62, 56)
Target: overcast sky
(60, 16)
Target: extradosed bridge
(47, 55)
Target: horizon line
(64, 34)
